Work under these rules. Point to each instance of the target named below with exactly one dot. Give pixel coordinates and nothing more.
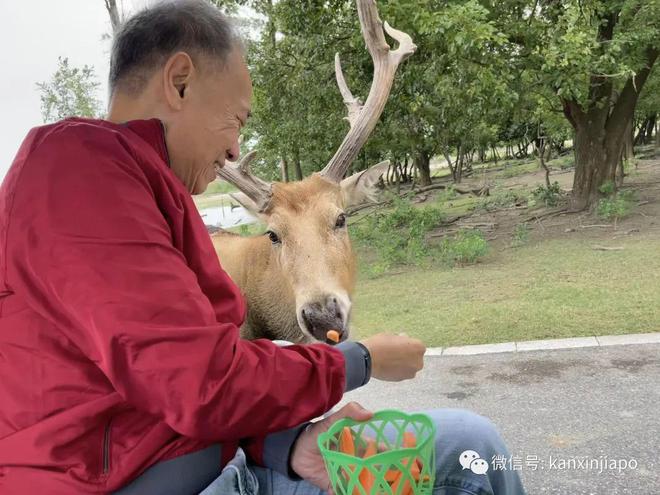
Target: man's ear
(363, 187)
(252, 208)
(177, 73)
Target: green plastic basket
(389, 471)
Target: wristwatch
(367, 361)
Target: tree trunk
(541, 144)
(113, 12)
(495, 157)
(458, 165)
(628, 152)
(482, 155)
(595, 164)
(423, 166)
(645, 130)
(649, 128)
(600, 131)
(284, 169)
(452, 169)
(297, 168)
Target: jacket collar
(152, 132)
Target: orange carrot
(409, 440)
(406, 489)
(415, 470)
(332, 335)
(367, 478)
(396, 477)
(392, 475)
(371, 448)
(346, 442)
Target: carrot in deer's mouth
(332, 335)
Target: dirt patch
(531, 371)
(632, 365)
(544, 224)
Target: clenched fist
(395, 357)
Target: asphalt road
(595, 405)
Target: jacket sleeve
(274, 451)
(92, 252)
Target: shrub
(503, 198)
(548, 195)
(520, 235)
(447, 194)
(617, 206)
(398, 236)
(465, 247)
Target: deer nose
(322, 316)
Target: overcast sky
(34, 33)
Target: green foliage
(71, 92)
(520, 235)
(465, 247)
(549, 196)
(503, 198)
(564, 162)
(397, 235)
(447, 194)
(219, 187)
(608, 188)
(616, 206)
(248, 229)
(485, 74)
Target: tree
(595, 56)
(70, 92)
(116, 17)
(647, 113)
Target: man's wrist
(358, 364)
(293, 474)
(367, 361)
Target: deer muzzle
(328, 312)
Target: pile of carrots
(394, 477)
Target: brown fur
(314, 259)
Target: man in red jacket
(121, 366)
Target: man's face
(203, 132)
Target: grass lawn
(558, 288)
(219, 187)
(212, 200)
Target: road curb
(544, 345)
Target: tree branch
(625, 105)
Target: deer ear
(364, 186)
(252, 208)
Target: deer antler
(363, 118)
(239, 174)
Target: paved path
(599, 403)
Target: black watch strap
(367, 361)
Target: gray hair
(150, 37)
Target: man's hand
(306, 458)
(395, 357)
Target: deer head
(309, 273)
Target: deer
(299, 277)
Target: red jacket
(119, 342)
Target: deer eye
(341, 221)
(274, 238)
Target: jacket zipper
(106, 448)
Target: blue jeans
(458, 430)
